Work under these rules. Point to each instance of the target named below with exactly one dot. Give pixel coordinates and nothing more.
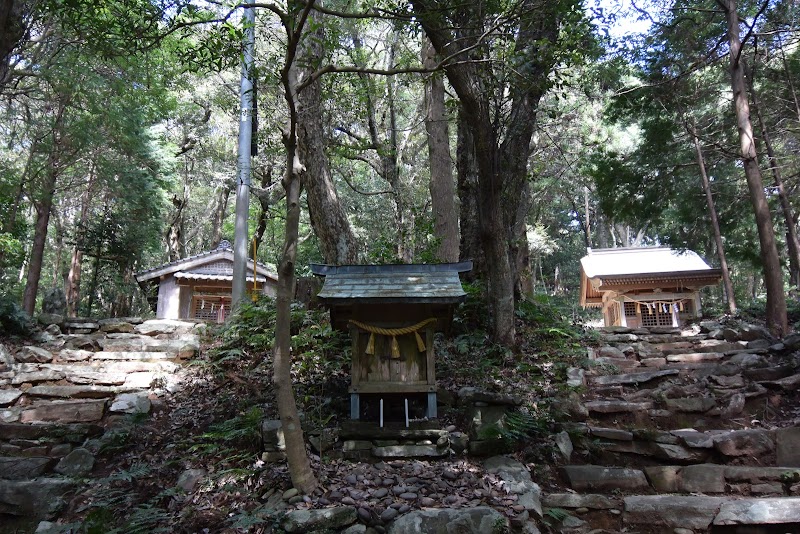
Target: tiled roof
(380, 283)
(211, 263)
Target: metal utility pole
(241, 239)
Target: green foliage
(12, 318)
(523, 425)
(240, 436)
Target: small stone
(409, 496)
(190, 478)
(289, 493)
(389, 514)
(380, 493)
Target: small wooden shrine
(392, 312)
(645, 286)
(199, 287)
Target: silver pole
(241, 238)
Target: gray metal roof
(384, 283)
(202, 264)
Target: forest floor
(194, 463)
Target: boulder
(131, 403)
(54, 301)
(48, 319)
(753, 443)
(517, 480)
(324, 519)
(787, 441)
(21, 468)
(116, 326)
(34, 355)
(40, 498)
(478, 520)
(77, 463)
(189, 479)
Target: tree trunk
(792, 243)
(502, 168)
(291, 77)
(328, 219)
(467, 174)
(442, 185)
(712, 214)
(43, 206)
(76, 264)
(220, 208)
(776, 300)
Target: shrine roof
(413, 283)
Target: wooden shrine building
(646, 286)
(392, 312)
(199, 287)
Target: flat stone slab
(595, 477)
(576, 500)
(134, 356)
(410, 451)
(696, 357)
(9, 396)
(692, 512)
(691, 404)
(632, 378)
(618, 406)
(767, 511)
(76, 392)
(45, 375)
(78, 411)
(478, 520)
(611, 433)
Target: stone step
(715, 478)
(136, 356)
(76, 392)
(71, 411)
(601, 478)
(700, 512)
(618, 406)
(632, 378)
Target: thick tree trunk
(502, 168)
(792, 243)
(12, 30)
(328, 219)
(442, 186)
(776, 300)
(712, 214)
(73, 285)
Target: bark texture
(43, 205)
(773, 280)
(328, 219)
(442, 185)
(467, 173)
(502, 141)
(299, 465)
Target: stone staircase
(683, 431)
(58, 397)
